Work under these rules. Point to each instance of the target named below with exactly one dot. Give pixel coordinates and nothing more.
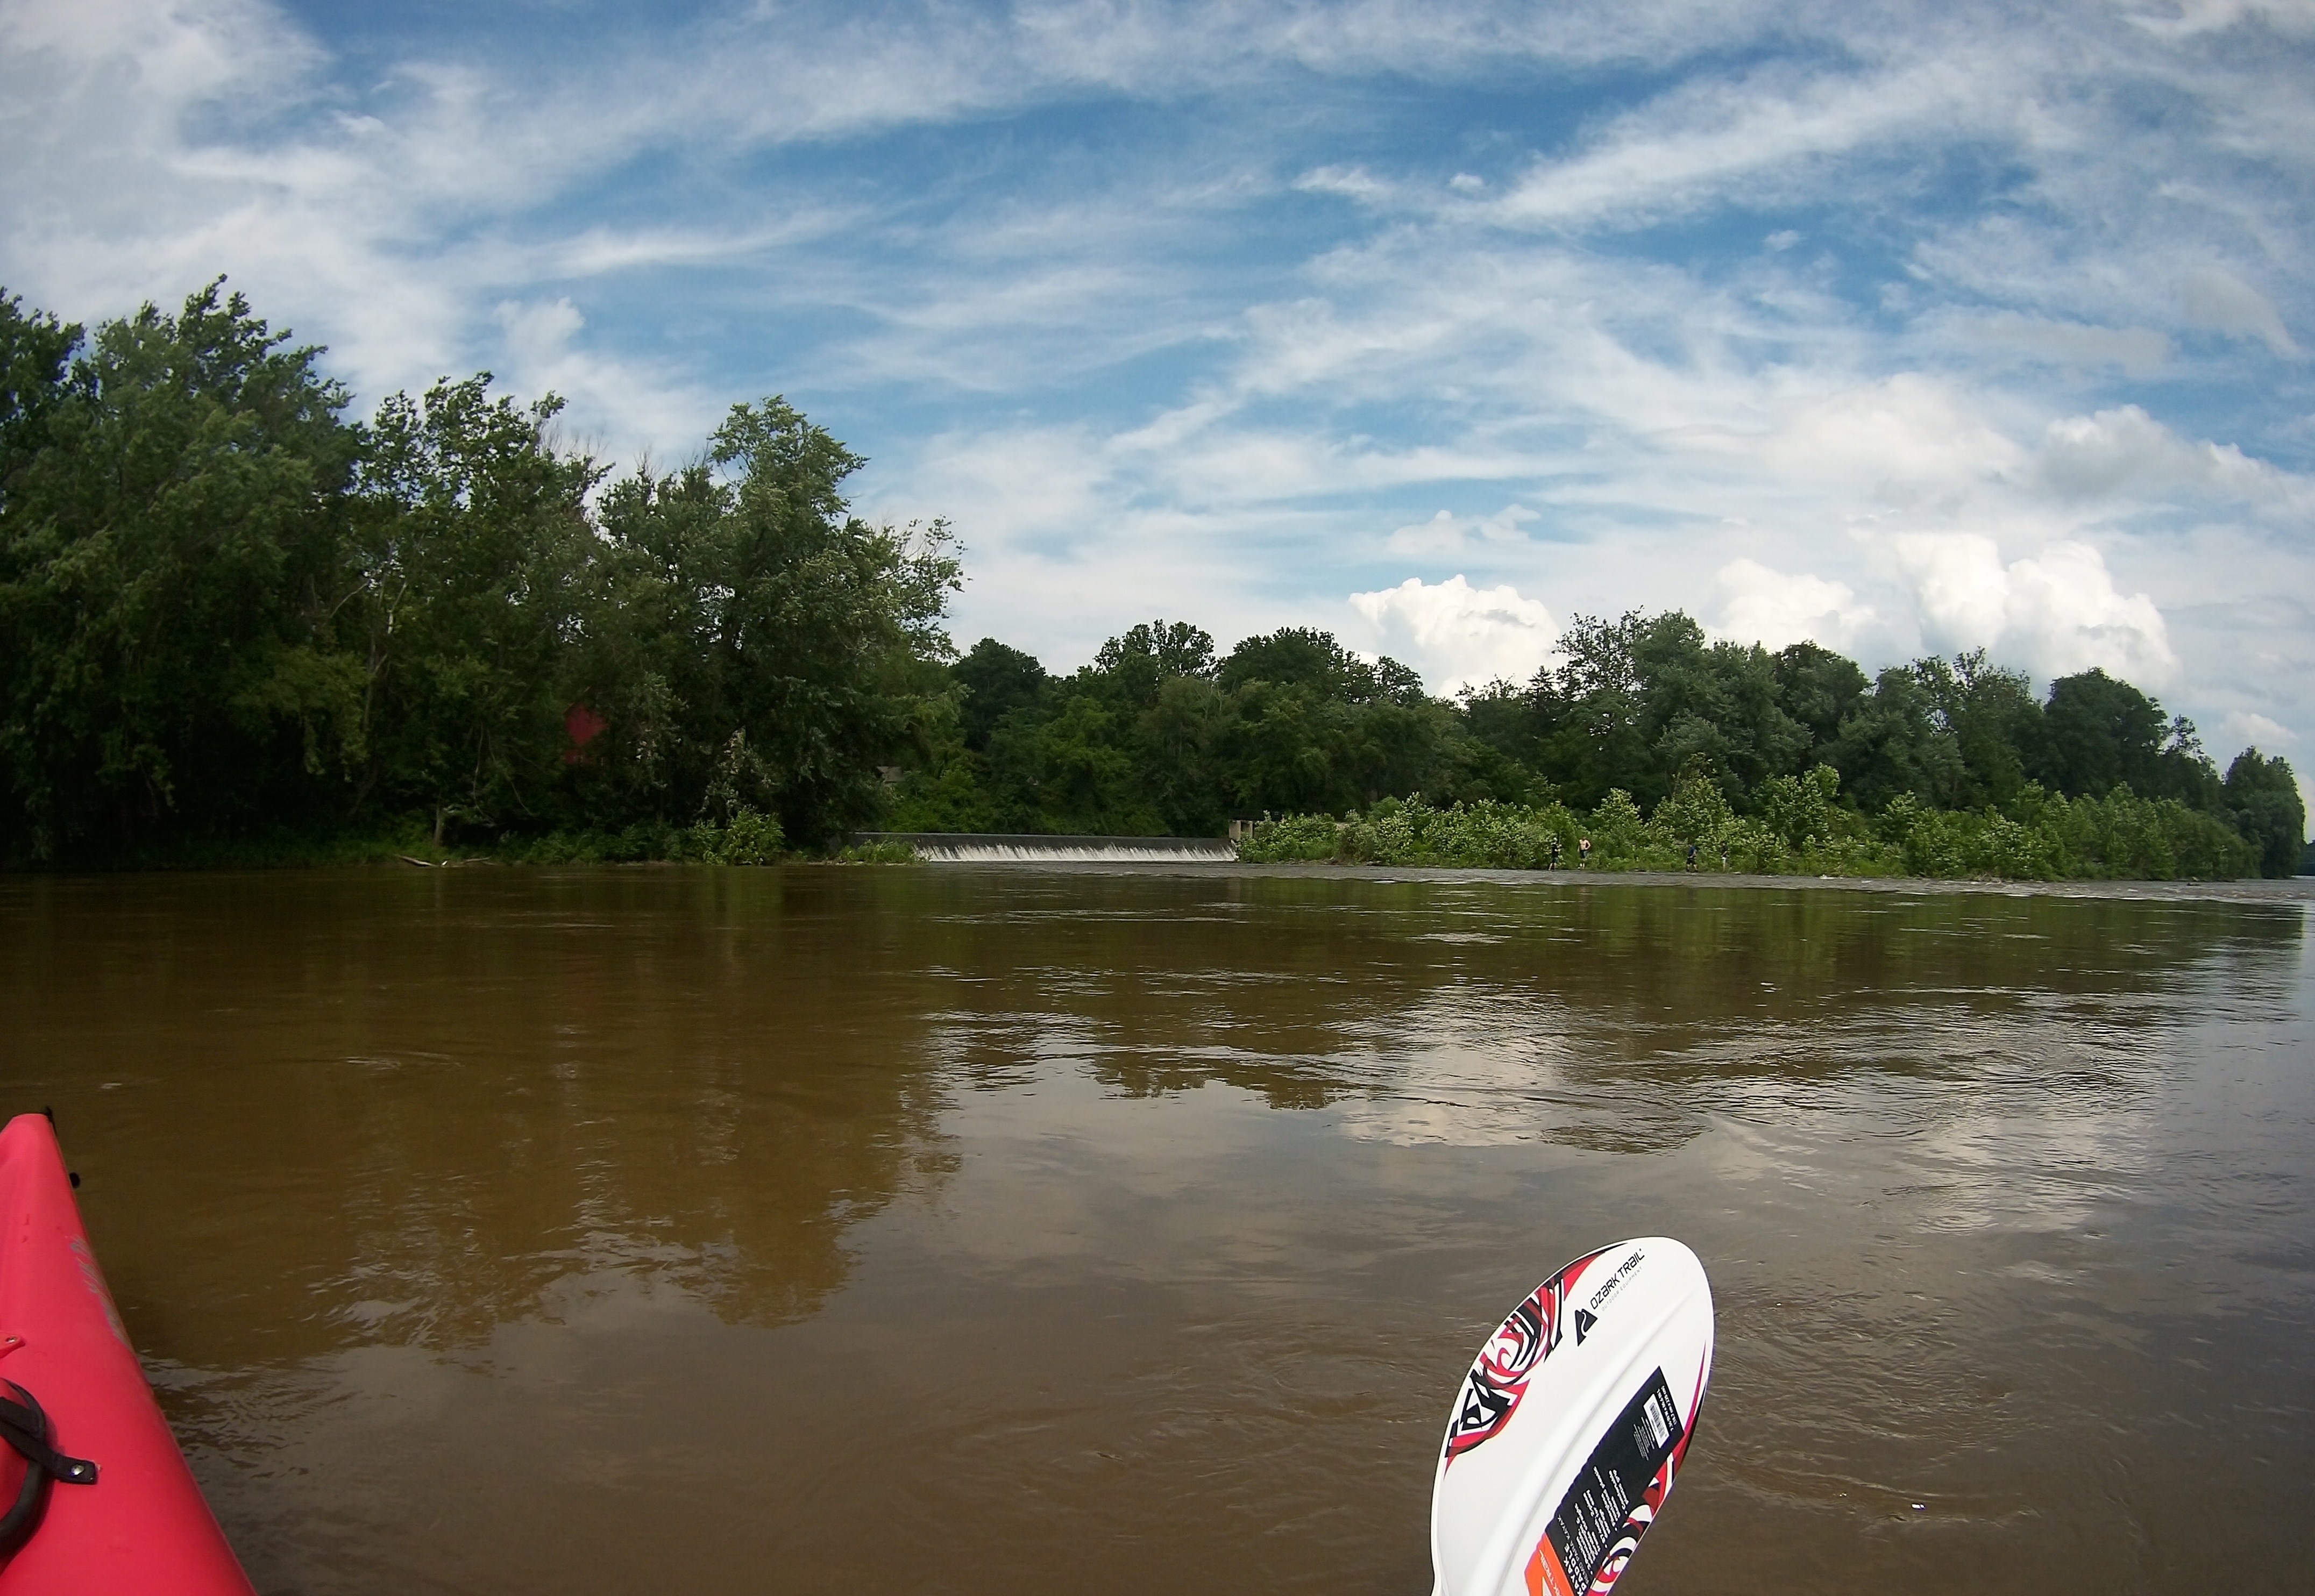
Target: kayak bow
(95, 1498)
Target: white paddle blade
(1567, 1431)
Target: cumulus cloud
(2057, 613)
(1907, 439)
(1773, 608)
(2093, 456)
(1457, 634)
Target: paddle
(1568, 1429)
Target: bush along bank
(1802, 828)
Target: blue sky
(1904, 328)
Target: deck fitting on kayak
(25, 1429)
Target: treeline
(229, 613)
(234, 617)
(1161, 733)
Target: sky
(1906, 329)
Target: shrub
(1296, 839)
(750, 838)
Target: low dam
(959, 847)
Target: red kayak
(95, 1498)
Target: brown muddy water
(989, 1230)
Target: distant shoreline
(2296, 889)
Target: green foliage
(750, 644)
(1296, 838)
(1798, 810)
(748, 837)
(1157, 735)
(2047, 837)
(1800, 831)
(2262, 797)
(1484, 834)
(470, 555)
(877, 853)
(226, 612)
(171, 560)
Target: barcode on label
(1662, 1422)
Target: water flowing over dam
(960, 848)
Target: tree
(473, 554)
(752, 643)
(1818, 689)
(1181, 739)
(2101, 732)
(1304, 656)
(36, 351)
(2262, 798)
(1996, 724)
(997, 680)
(1136, 661)
(1896, 742)
(1719, 716)
(1288, 750)
(170, 544)
(1590, 711)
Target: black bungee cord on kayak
(24, 1427)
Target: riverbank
(2297, 888)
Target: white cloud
(539, 334)
(1907, 439)
(2244, 728)
(2186, 18)
(2056, 613)
(1704, 143)
(2216, 298)
(2094, 456)
(1772, 609)
(1351, 182)
(1457, 634)
(2138, 351)
(1446, 533)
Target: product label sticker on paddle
(1570, 1423)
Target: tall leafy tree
(1895, 743)
(1591, 710)
(36, 351)
(997, 680)
(471, 554)
(2100, 733)
(1997, 725)
(2262, 796)
(1138, 659)
(752, 643)
(1718, 713)
(1818, 689)
(170, 562)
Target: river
(998, 1230)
